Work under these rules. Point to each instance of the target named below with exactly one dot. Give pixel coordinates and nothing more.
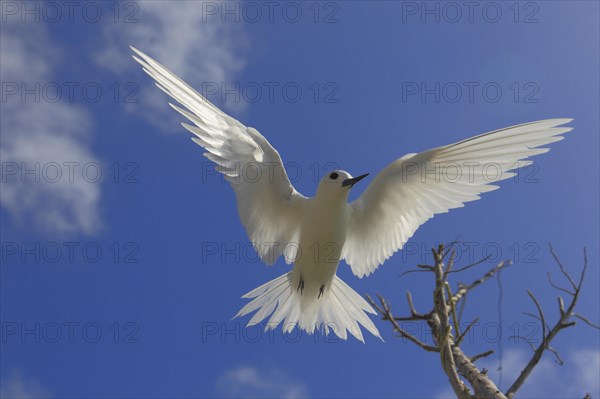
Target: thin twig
(386, 313)
(557, 287)
(556, 355)
(462, 269)
(414, 315)
(562, 269)
(562, 323)
(427, 267)
(536, 317)
(411, 306)
(542, 318)
(586, 321)
(464, 289)
(449, 264)
(481, 355)
(462, 307)
(413, 271)
(450, 246)
(464, 333)
(561, 306)
(452, 309)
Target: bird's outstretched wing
(269, 207)
(414, 188)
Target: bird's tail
(340, 308)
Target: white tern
(316, 233)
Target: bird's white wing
(414, 188)
(269, 206)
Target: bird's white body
(311, 294)
(315, 233)
(322, 237)
(323, 233)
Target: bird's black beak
(353, 181)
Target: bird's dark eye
(333, 176)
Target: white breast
(322, 237)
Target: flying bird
(316, 233)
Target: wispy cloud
(196, 48)
(16, 386)
(38, 134)
(578, 375)
(251, 382)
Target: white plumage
(315, 233)
(412, 189)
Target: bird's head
(337, 184)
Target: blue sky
(120, 274)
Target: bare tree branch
(556, 286)
(464, 289)
(536, 317)
(481, 355)
(541, 317)
(443, 318)
(586, 321)
(562, 269)
(386, 312)
(444, 336)
(464, 333)
(414, 315)
(556, 355)
(563, 322)
(462, 269)
(411, 306)
(413, 271)
(450, 263)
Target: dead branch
(386, 312)
(464, 289)
(454, 361)
(443, 322)
(443, 330)
(564, 321)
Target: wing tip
(565, 121)
(138, 52)
(553, 121)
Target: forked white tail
(340, 308)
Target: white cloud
(251, 382)
(37, 132)
(196, 48)
(576, 377)
(18, 387)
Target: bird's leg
(300, 285)
(321, 291)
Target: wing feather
(414, 188)
(269, 207)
